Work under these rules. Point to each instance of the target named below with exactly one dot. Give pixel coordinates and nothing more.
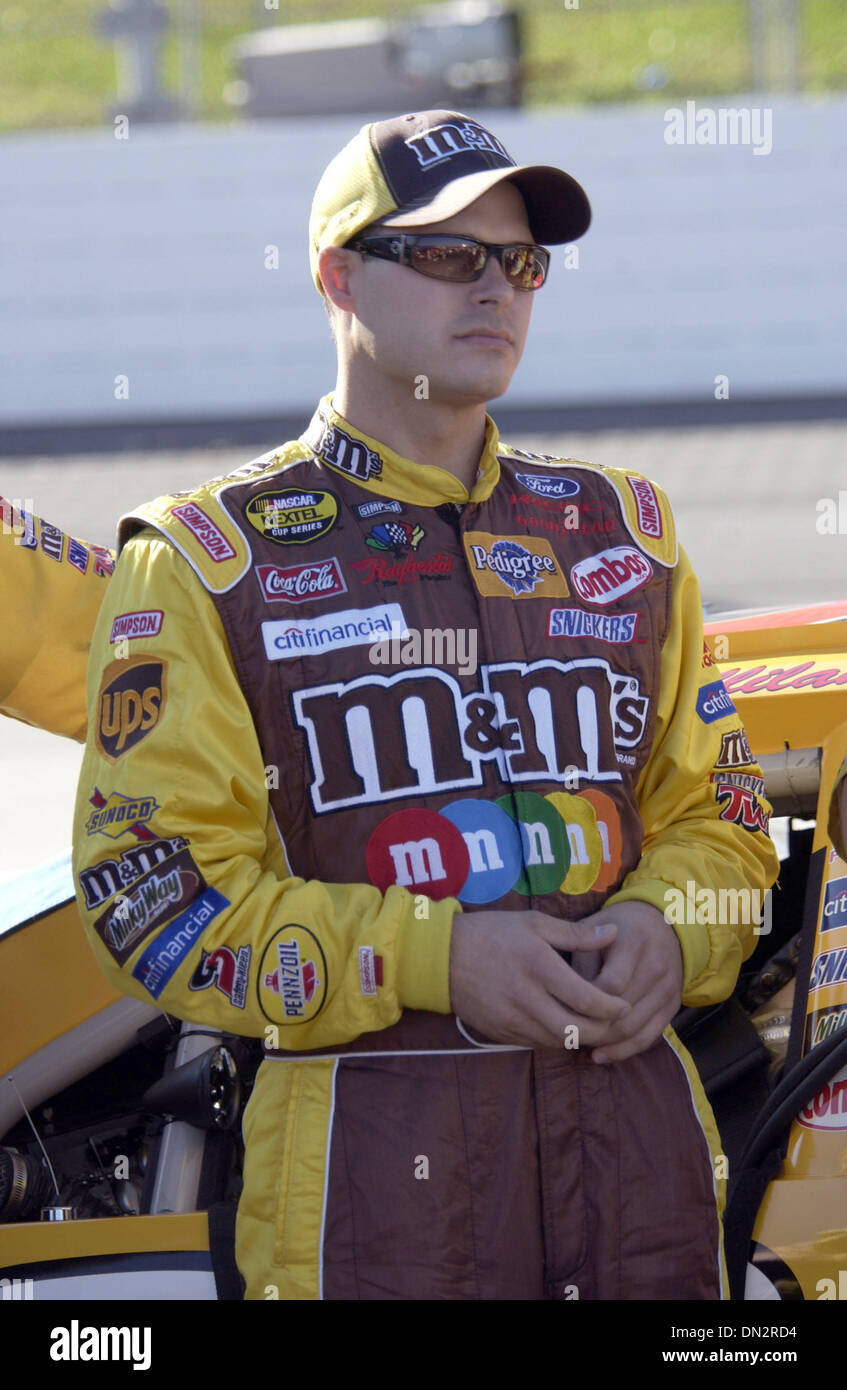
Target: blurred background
(157, 162)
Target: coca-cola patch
(296, 583)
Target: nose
(492, 284)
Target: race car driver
(403, 746)
(56, 585)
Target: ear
(337, 267)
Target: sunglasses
(459, 258)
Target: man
(424, 736)
(52, 585)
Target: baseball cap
(426, 166)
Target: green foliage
(56, 71)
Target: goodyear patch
(292, 976)
(292, 516)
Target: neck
(427, 431)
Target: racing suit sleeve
(57, 584)
(700, 833)
(836, 821)
(191, 788)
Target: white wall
(145, 257)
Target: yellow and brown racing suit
(53, 587)
(335, 699)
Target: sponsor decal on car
(354, 627)
(292, 515)
(606, 627)
(203, 528)
(514, 566)
(148, 903)
(823, 1022)
(611, 574)
(544, 486)
(295, 583)
(129, 705)
(735, 750)
(754, 680)
(117, 815)
(647, 507)
(828, 1109)
(145, 622)
(830, 968)
(370, 970)
(834, 913)
(380, 506)
(292, 976)
(479, 851)
(227, 970)
(714, 703)
(376, 567)
(163, 957)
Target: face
(405, 325)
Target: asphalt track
(746, 499)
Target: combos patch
(714, 702)
(148, 903)
(130, 704)
(292, 978)
(548, 487)
(117, 814)
(291, 516)
(611, 574)
(295, 583)
(478, 851)
(514, 566)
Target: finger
(587, 935)
(548, 1025)
(622, 1043)
(579, 995)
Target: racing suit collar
(378, 469)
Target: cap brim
(557, 206)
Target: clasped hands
(621, 989)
